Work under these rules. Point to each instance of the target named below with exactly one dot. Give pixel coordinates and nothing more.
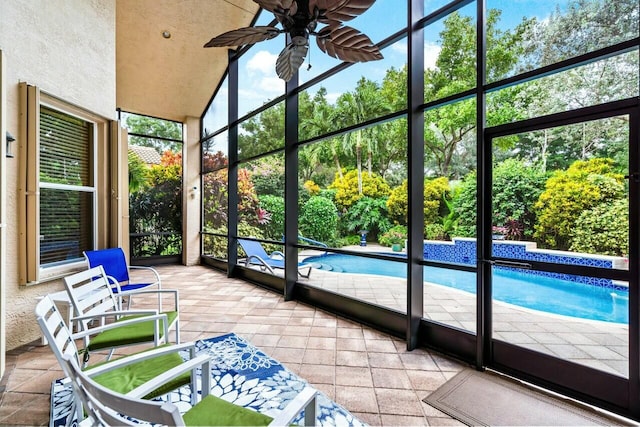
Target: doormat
(485, 399)
(241, 374)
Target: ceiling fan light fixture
(300, 40)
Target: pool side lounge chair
(256, 255)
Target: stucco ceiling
(174, 77)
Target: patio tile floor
(366, 371)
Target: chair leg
(78, 411)
(306, 276)
(310, 413)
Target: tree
(356, 107)
(448, 126)
(137, 172)
(317, 120)
(262, 133)
(581, 27)
(157, 133)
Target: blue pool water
(514, 287)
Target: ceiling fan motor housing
(299, 19)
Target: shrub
(435, 191)
(328, 194)
(435, 232)
(397, 203)
(303, 195)
(319, 219)
(349, 240)
(462, 222)
(159, 207)
(268, 177)
(373, 186)
(247, 230)
(396, 234)
(247, 198)
(312, 187)
(368, 214)
(516, 188)
(214, 245)
(274, 229)
(215, 202)
(603, 229)
(583, 186)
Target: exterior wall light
(10, 139)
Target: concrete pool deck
(600, 345)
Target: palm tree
(319, 123)
(364, 103)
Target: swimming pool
(535, 292)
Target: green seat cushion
(126, 378)
(129, 334)
(213, 411)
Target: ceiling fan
(299, 19)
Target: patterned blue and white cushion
(241, 374)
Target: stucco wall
(67, 48)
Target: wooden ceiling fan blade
(341, 10)
(242, 36)
(347, 44)
(290, 59)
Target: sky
(259, 82)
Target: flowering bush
(395, 235)
(373, 186)
(312, 187)
(511, 230)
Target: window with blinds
(67, 190)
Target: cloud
(271, 85)
(262, 62)
(400, 47)
(431, 53)
(332, 97)
(246, 94)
